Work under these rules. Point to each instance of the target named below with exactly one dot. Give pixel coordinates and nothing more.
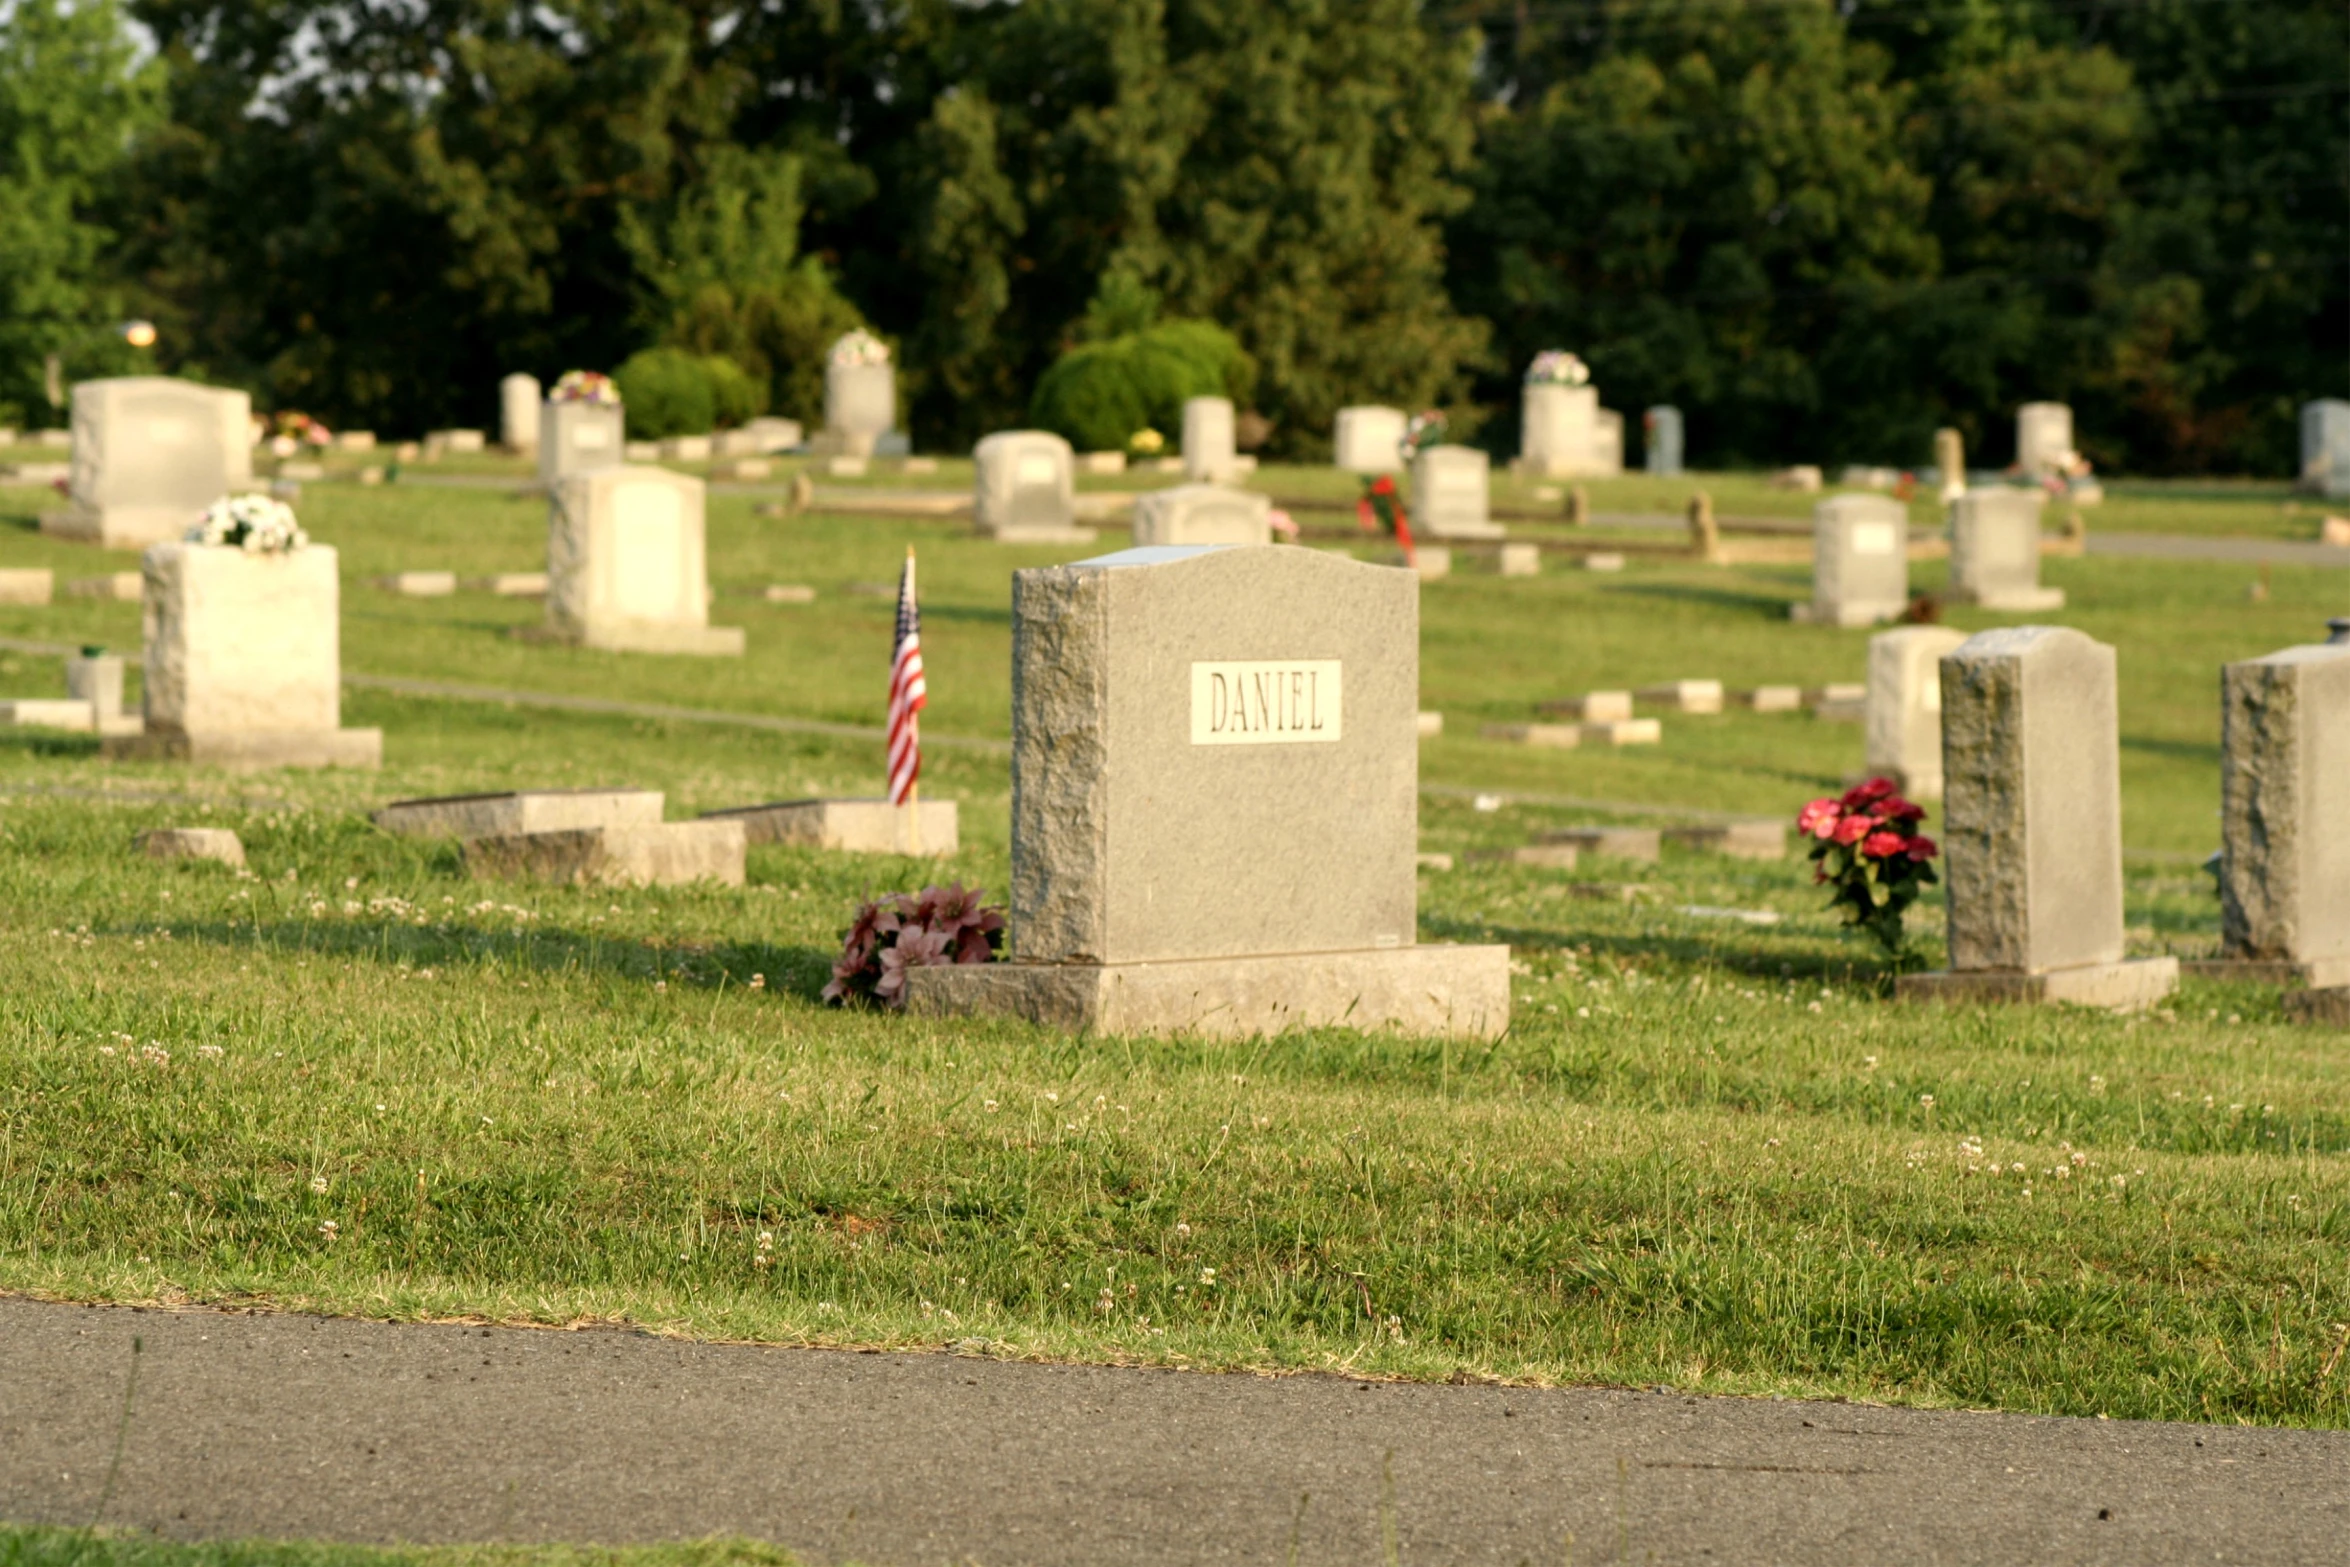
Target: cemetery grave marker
(1904, 717)
(1662, 424)
(1202, 514)
(2284, 799)
(1451, 490)
(149, 455)
(218, 844)
(519, 396)
(1860, 562)
(1995, 551)
(2032, 841)
(520, 812)
(1208, 453)
(2044, 440)
(853, 826)
(2325, 447)
(1370, 439)
(669, 854)
(1612, 843)
(1024, 485)
(1215, 805)
(626, 564)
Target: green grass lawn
(1708, 1153)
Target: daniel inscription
(1265, 702)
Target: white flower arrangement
(256, 524)
(1420, 432)
(1557, 367)
(586, 386)
(858, 348)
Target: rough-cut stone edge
(2326, 974)
(1435, 991)
(1060, 772)
(427, 817)
(669, 854)
(362, 748)
(2131, 985)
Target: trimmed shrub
(1097, 395)
(669, 391)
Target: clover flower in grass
(256, 524)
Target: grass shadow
(1770, 606)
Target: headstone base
(520, 812)
(697, 641)
(1019, 535)
(669, 854)
(850, 826)
(2129, 986)
(2326, 974)
(1462, 992)
(246, 750)
(116, 527)
(2011, 603)
(49, 713)
(1849, 617)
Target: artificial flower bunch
(295, 425)
(859, 347)
(890, 935)
(1557, 367)
(585, 386)
(1866, 845)
(1146, 442)
(1420, 432)
(256, 524)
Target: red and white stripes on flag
(907, 693)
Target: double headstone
(149, 455)
(1859, 562)
(1451, 494)
(2325, 447)
(518, 412)
(1209, 456)
(1565, 434)
(579, 438)
(244, 661)
(1215, 806)
(1904, 710)
(2032, 838)
(1663, 456)
(1370, 439)
(2284, 797)
(1995, 551)
(1026, 488)
(1203, 514)
(2044, 440)
(626, 564)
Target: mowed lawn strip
(1674, 1169)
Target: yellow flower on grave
(1147, 441)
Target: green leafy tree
(721, 274)
(73, 98)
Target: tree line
(1821, 227)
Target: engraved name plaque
(1265, 702)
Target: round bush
(667, 392)
(1098, 394)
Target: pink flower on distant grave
(1282, 523)
(1818, 818)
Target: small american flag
(907, 693)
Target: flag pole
(914, 790)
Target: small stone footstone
(1903, 707)
(511, 584)
(1995, 551)
(1682, 696)
(917, 465)
(1196, 735)
(520, 812)
(1432, 862)
(244, 661)
(789, 593)
(27, 586)
(1519, 560)
(1431, 725)
(1611, 843)
(1430, 562)
(667, 854)
(419, 584)
(1203, 514)
(1859, 562)
(1603, 560)
(193, 843)
(846, 467)
(1839, 702)
(1770, 699)
(1737, 840)
(627, 564)
(1592, 706)
(49, 713)
(2284, 793)
(1545, 856)
(2032, 838)
(1557, 737)
(867, 826)
(122, 587)
(1623, 731)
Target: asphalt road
(300, 1427)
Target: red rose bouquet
(1866, 845)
